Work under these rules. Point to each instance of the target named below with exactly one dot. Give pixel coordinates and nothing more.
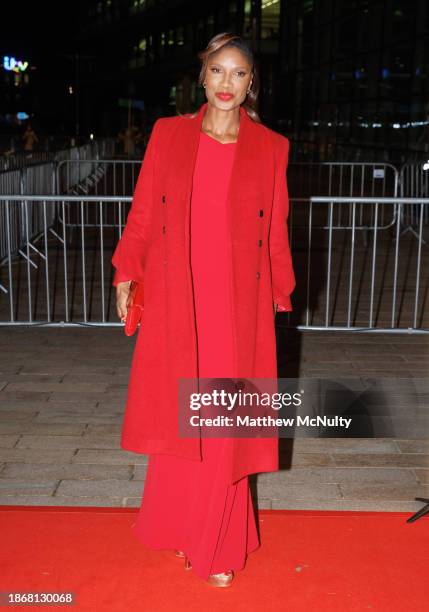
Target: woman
(207, 236)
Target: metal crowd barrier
(40, 258)
(42, 179)
(19, 159)
(13, 160)
(414, 183)
(95, 177)
(29, 180)
(339, 179)
(57, 281)
(36, 178)
(410, 272)
(118, 177)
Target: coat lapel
(251, 176)
(189, 141)
(252, 167)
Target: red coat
(155, 249)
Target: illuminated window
(162, 44)
(270, 18)
(247, 25)
(180, 35)
(137, 5)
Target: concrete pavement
(62, 395)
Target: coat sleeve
(130, 252)
(119, 278)
(282, 273)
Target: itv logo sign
(11, 63)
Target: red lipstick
(224, 96)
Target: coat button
(258, 275)
(163, 229)
(260, 242)
(163, 199)
(261, 213)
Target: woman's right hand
(122, 293)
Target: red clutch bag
(134, 308)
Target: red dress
(188, 505)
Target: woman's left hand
(122, 292)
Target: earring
(204, 84)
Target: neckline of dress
(218, 141)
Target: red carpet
(309, 561)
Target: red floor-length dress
(189, 505)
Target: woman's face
(228, 72)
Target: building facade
(335, 74)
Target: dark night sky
(42, 33)
(37, 29)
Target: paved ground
(62, 395)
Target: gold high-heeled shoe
(218, 580)
(179, 553)
(221, 580)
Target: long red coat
(155, 249)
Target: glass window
(189, 36)
(180, 35)
(200, 33)
(247, 24)
(361, 75)
(210, 26)
(137, 5)
(308, 22)
(232, 16)
(142, 45)
(342, 77)
(403, 19)
(399, 68)
(162, 44)
(270, 19)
